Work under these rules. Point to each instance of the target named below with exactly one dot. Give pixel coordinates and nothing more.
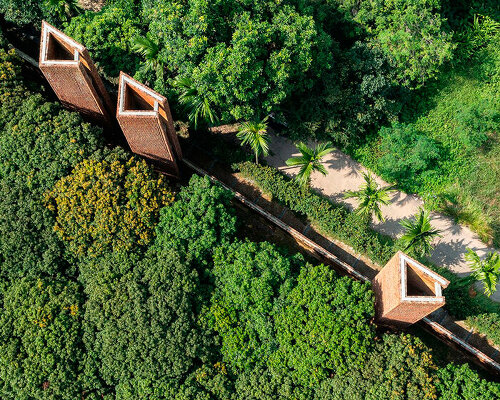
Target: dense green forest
(118, 284)
(114, 286)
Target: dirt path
(345, 174)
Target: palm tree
(370, 197)
(255, 135)
(309, 161)
(198, 105)
(150, 51)
(487, 271)
(419, 233)
(63, 8)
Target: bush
(244, 58)
(331, 219)
(107, 35)
(198, 221)
(407, 152)
(42, 143)
(462, 383)
(40, 337)
(488, 324)
(22, 11)
(476, 122)
(324, 327)
(108, 204)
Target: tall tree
(255, 135)
(310, 161)
(419, 233)
(371, 197)
(487, 271)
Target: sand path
(345, 174)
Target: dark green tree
(199, 220)
(41, 340)
(251, 281)
(398, 368)
(140, 325)
(324, 327)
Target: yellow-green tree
(110, 204)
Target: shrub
(324, 327)
(42, 143)
(398, 368)
(331, 219)
(407, 152)
(251, 281)
(108, 204)
(40, 337)
(21, 11)
(476, 121)
(107, 35)
(488, 324)
(198, 221)
(462, 383)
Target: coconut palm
(199, 107)
(150, 51)
(487, 271)
(255, 135)
(370, 197)
(419, 233)
(309, 161)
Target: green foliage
(476, 121)
(331, 219)
(22, 11)
(39, 144)
(198, 106)
(62, 9)
(462, 383)
(310, 161)
(487, 324)
(140, 328)
(475, 34)
(42, 143)
(486, 271)
(108, 36)
(40, 337)
(419, 234)
(255, 135)
(251, 282)
(411, 33)
(370, 197)
(324, 326)
(198, 221)
(108, 204)
(12, 89)
(245, 58)
(406, 152)
(399, 368)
